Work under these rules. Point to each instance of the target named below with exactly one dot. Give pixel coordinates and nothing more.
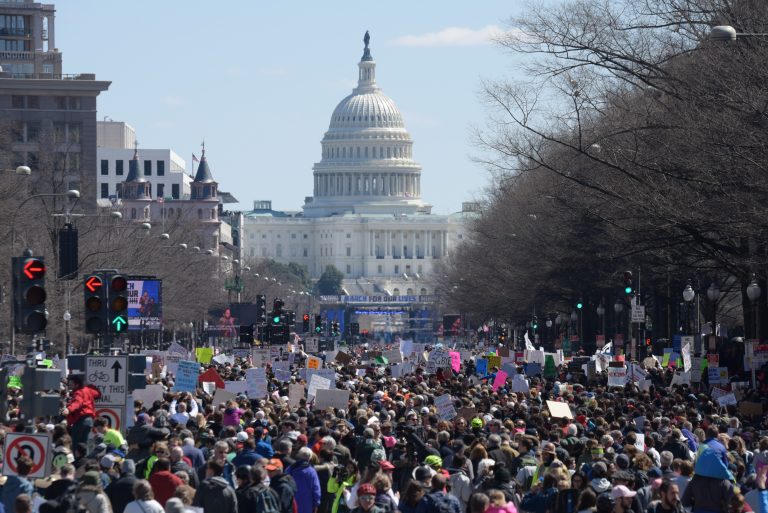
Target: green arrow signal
(120, 323)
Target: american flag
(194, 159)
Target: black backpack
(267, 500)
(66, 503)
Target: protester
(19, 484)
(144, 501)
(81, 409)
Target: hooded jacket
(215, 496)
(308, 485)
(83, 404)
(285, 487)
(15, 486)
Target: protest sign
(343, 358)
(445, 409)
(236, 387)
(727, 400)
(559, 410)
(494, 361)
(640, 441)
(222, 396)
(717, 375)
(326, 398)
(150, 394)
(481, 367)
(295, 395)
(406, 347)
(550, 371)
(455, 361)
(223, 359)
(172, 362)
(438, 359)
(186, 377)
(314, 362)
(283, 375)
(317, 382)
(617, 376)
(520, 384)
(393, 356)
(259, 357)
(681, 378)
(212, 376)
(499, 380)
(204, 355)
(533, 369)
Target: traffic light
(305, 323)
(261, 309)
(277, 311)
(118, 303)
(29, 294)
(290, 318)
(95, 304)
(318, 324)
(629, 288)
(36, 402)
(246, 334)
(68, 261)
(335, 328)
(354, 329)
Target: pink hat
(621, 491)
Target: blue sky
(259, 80)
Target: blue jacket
(763, 502)
(539, 502)
(245, 458)
(719, 449)
(14, 487)
(264, 449)
(307, 484)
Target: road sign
(638, 313)
(37, 447)
(110, 375)
(113, 415)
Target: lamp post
(574, 319)
(728, 33)
(753, 293)
(688, 295)
(600, 310)
(618, 307)
(713, 293)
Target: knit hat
(129, 467)
(91, 478)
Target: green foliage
(330, 281)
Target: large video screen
(145, 304)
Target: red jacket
(82, 404)
(164, 484)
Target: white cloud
(451, 36)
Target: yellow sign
(313, 363)
(494, 361)
(204, 355)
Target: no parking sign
(36, 447)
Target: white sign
(312, 345)
(640, 441)
(393, 356)
(727, 399)
(295, 395)
(110, 375)
(438, 359)
(317, 383)
(445, 409)
(236, 387)
(149, 394)
(638, 313)
(326, 398)
(256, 380)
(36, 447)
(617, 376)
(260, 357)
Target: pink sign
(455, 360)
(498, 382)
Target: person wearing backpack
(283, 484)
(267, 499)
(215, 495)
(307, 482)
(438, 500)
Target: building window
(105, 190)
(349, 251)
(104, 167)
(349, 269)
(305, 235)
(264, 251)
(147, 168)
(349, 235)
(199, 213)
(33, 132)
(395, 291)
(160, 168)
(75, 103)
(133, 213)
(263, 235)
(381, 269)
(409, 292)
(419, 270)
(279, 250)
(119, 167)
(160, 190)
(423, 292)
(175, 190)
(293, 235)
(306, 252)
(397, 270)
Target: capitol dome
(367, 161)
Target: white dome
(369, 110)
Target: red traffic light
(306, 317)
(118, 283)
(33, 269)
(93, 283)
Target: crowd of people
(668, 448)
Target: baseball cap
(274, 464)
(242, 436)
(424, 410)
(621, 491)
(366, 489)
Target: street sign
(113, 415)
(37, 447)
(638, 313)
(110, 375)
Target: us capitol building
(366, 217)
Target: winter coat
(461, 487)
(164, 484)
(285, 487)
(245, 458)
(93, 501)
(120, 493)
(14, 487)
(507, 508)
(707, 494)
(215, 496)
(539, 502)
(83, 404)
(308, 485)
(150, 506)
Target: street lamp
(728, 33)
(71, 194)
(713, 293)
(753, 293)
(600, 310)
(688, 295)
(23, 171)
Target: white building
(366, 217)
(165, 169)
